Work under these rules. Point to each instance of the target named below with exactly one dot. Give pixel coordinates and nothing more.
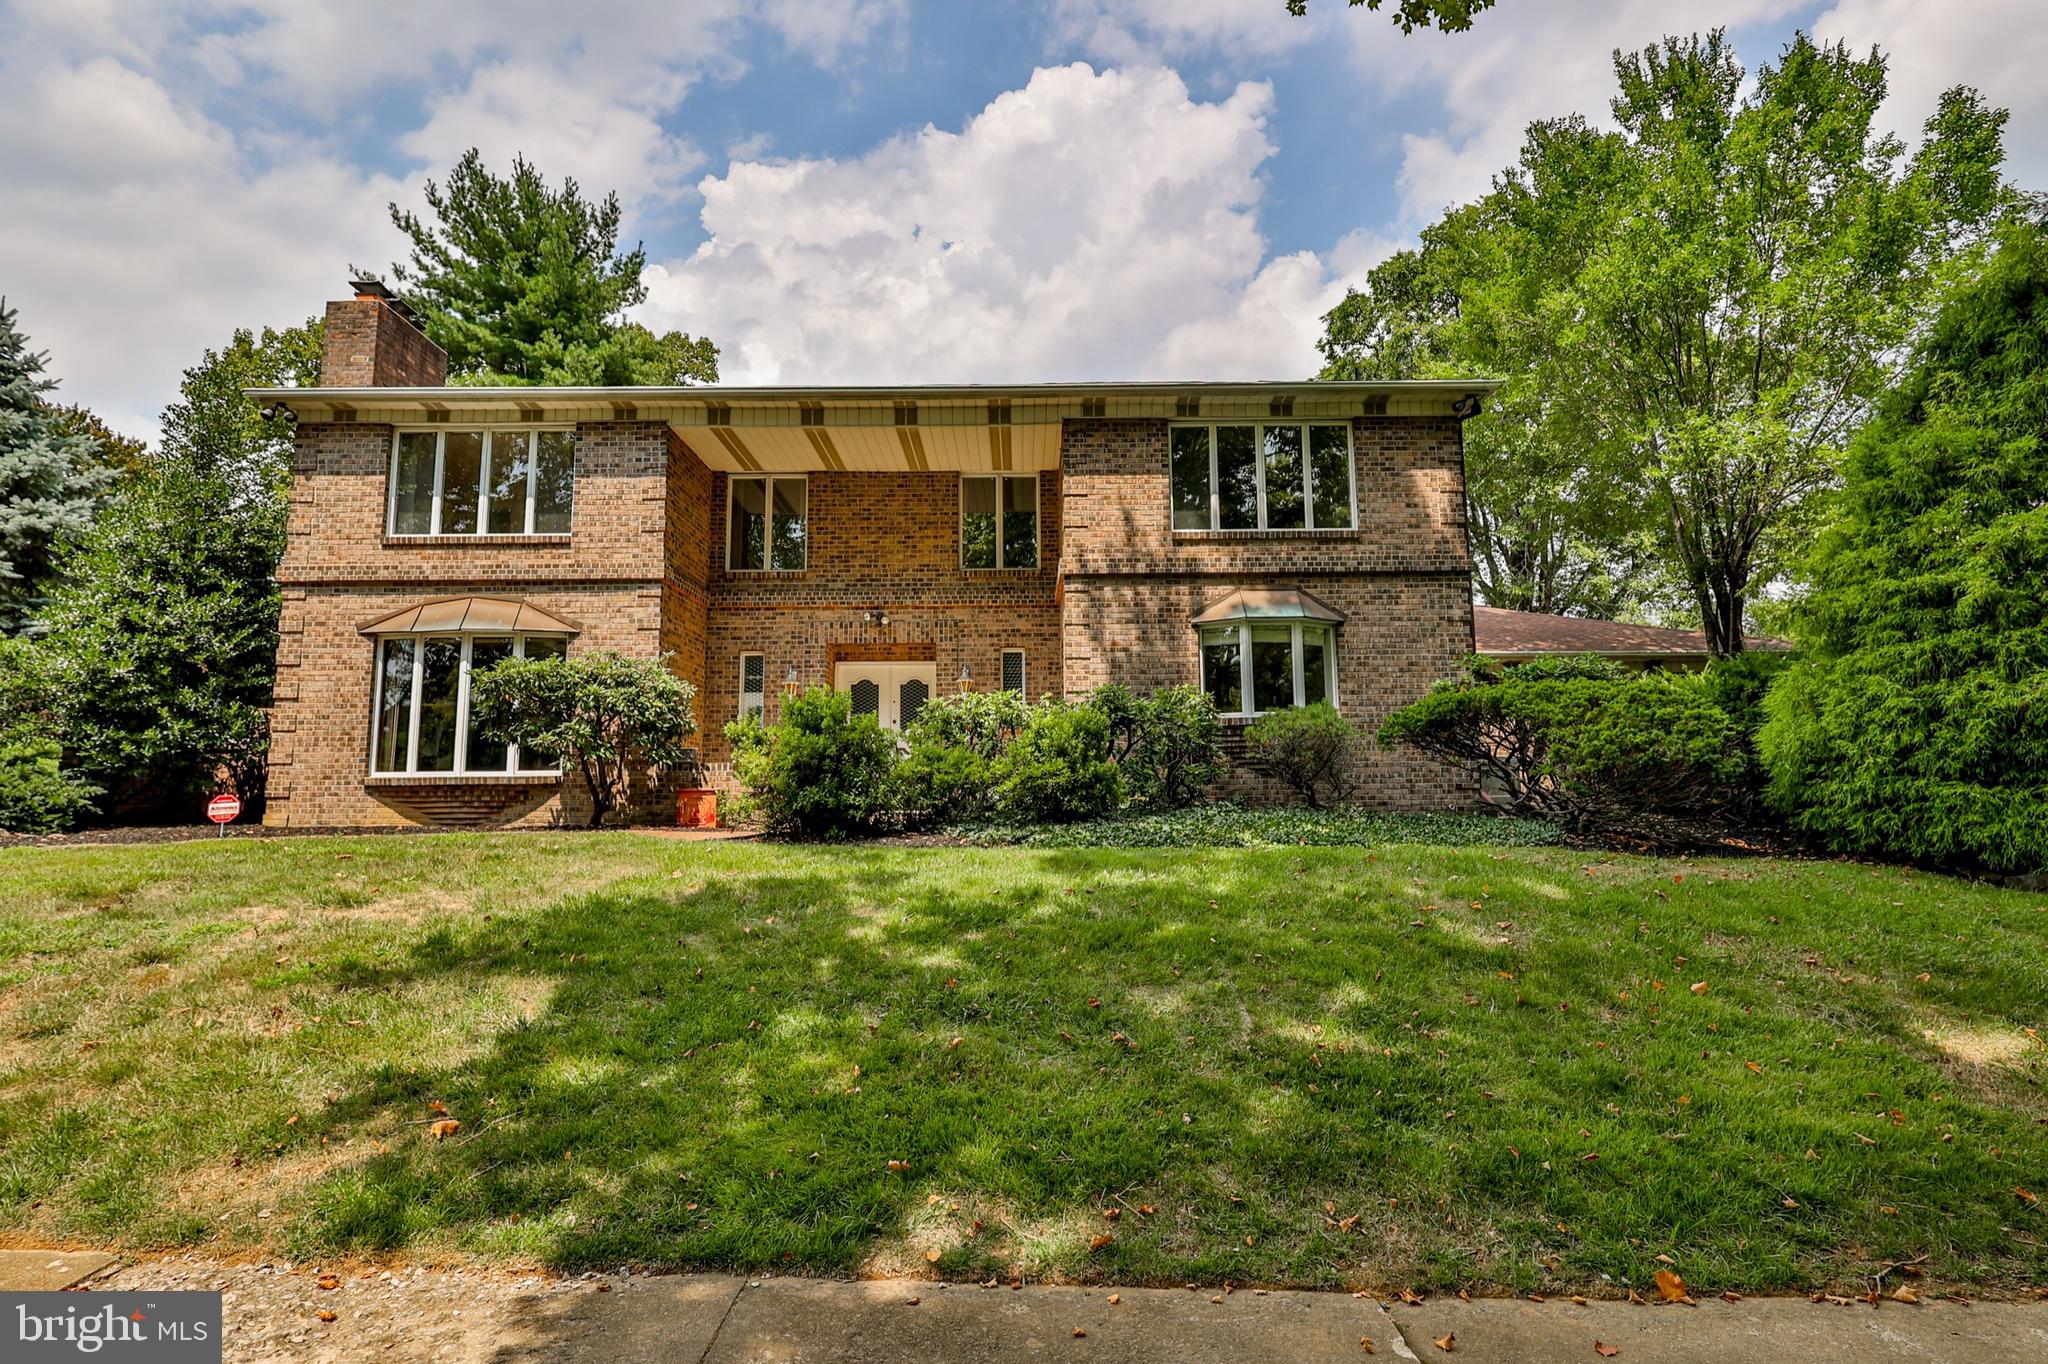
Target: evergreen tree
(1918, 724)
(50, 479)
(523, 284)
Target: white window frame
(1023, 672)
(483, 502)
(1308, 477)
(1244, 661)
(1037, 523)
(412, 737)
(761, 696)
(732, 482)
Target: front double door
(891, 692)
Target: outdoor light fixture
(965, 676)
(878, 618)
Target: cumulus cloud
(1089, 225)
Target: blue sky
(835, 190)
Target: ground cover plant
(1498, 1067)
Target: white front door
(891, 692)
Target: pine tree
(50, 479)
(1918, 726)
(523, 284)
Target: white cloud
(1999, 46)
(1145, 31)
(1089, 225)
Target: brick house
(1273, 542)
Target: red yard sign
(221, 809)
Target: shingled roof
(1531, 634)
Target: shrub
(1649, 755)
(1918, 723)
(953, 745)
(1165, 744)
(1305, 748)
(820, 769)
(607, 715)
(1059, 766)
(36, 795)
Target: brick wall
(1401, 578)
(365, 344)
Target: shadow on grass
(1308, 1069)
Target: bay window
(500, 480)
(766, 521)
(421, 709)
(1250, 667)
(999, 521)
(1261, 476)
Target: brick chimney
(373, 341)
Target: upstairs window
(492, 481)
(1262, 476)
(766, 524)
(422, 705)
(999, 521)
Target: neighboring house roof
(1531, 634)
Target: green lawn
(1450, 1066)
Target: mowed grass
(1430, 1066)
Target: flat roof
(871, 393)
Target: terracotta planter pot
(697, 807)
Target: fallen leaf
(446, 1128)
(436, 1106)
(1078, 1333)
(931, 1257)
(329, 1282)
(1671, 1288)
(1412, 1299)
(912, 1302)
(1112, 1213)
(1144, 1209)
(1578, 1301)
(325, 1316)
(1604, 1350)
(2024, 1196)
(1731, 1296)
(1698, 987)
(1365, 1344)
(1904, 1294)
(899, 1165)
(1099, 1242)
(1115, 1298)
(1447, 1342)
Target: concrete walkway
(791, 1321)
(342, 1315)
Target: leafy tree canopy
(1691, 312)
(1451, 16)
(524, 284)
(51, 476)
(217, 433)
(1918, 723)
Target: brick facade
(364, 343)
(643, 570)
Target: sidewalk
(489, 1317)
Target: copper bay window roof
(1266, 603)
(470, 615)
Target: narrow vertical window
(412, 483)
(978, 523)
(1020, 522)
(486, 754)
(554, 481)
(394, 705)
(1315, 666)
(1272, 667)
(440, 685)
(1329, 459)
(753, 686)
(791, 503)
(1286, 485)
(747, 528)
(1237, 478)
(511, 470)
(462, 473)
(1013, 672)
(1223, 670)
(1191, 486)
